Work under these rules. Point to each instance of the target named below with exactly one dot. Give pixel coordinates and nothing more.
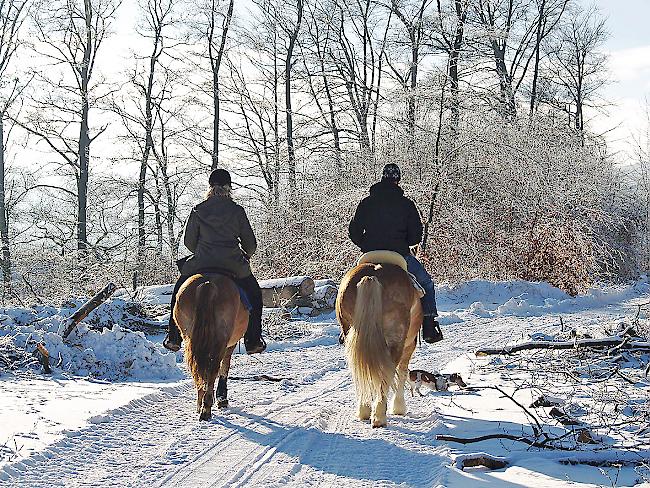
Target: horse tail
(368, 355)
(206, 347)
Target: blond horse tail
(368, 356)
(206, 347)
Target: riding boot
(173, 339)
(253, 338)
(431, 331)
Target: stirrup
(171, 345)
(259, 346)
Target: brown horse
(380, 315)
(212, 319)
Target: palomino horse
(212, 319)
(380, 314)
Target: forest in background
(485, 104)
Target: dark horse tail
(206, 347)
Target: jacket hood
(386, 188)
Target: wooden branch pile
(308, 296)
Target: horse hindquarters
(368, 355)
(206, 347)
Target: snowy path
(298, 432)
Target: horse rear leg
(363, 410)
(379, 410)
(205, 413)
(222, 386)
(200, 393)
(398, 406)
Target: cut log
(326, 294)
(325, 282)
(481, 459)
(279, 292)
(83, 311)
(604, 343)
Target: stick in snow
(43, 356)
(72, 322)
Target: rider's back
(386, 219)
(219, 234)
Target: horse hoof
(222, 402)
(205, 415)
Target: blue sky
(629, 61)
(628, 22)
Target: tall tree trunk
(216, 65)
(4, 216)
(288, 64)
(454, 57)
(538, 42)
(414, 84)
(84, 138)
(171, 216)
(276, 115)
(148, 145)
(505, 81)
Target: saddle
(391, 257)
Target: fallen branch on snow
(533, 443)
(622, 342)
(83, 311)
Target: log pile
(300, 293)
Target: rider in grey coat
(221, 240)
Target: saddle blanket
(244, 299)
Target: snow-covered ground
(118, 411)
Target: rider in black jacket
(387, 220)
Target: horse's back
(399, 298)
(225, 300)
(396, 284)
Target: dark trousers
(252, 289)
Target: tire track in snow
(139, 443)
(251, 430)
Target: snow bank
(111, 354)
(150, 295)
(524, 299)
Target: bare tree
(319, 74)
(411, 16)
(450, 39)
(12, 16)
(292, 29)
(578, 66)
(514, 30)
(549, 15)
(208, 35)
(138, 113)
(70, 35)
(357, 56)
